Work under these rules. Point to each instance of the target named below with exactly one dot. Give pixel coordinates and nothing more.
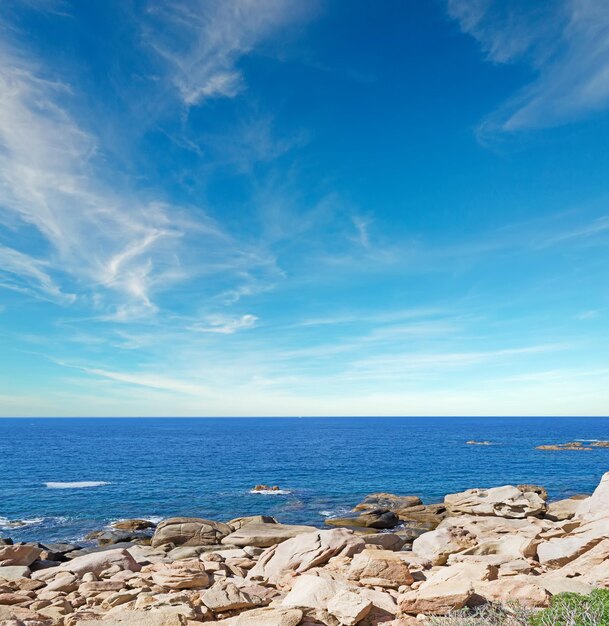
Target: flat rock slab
(264, 535)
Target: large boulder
(189, 531)
(562, 550)
(437, 598)
(179, 574)
(19, 554)
(224, 596)
(264, 535)
(437, 545)
(562, 510)
(522, 590)
(324, 594)
(507, 501)
(597, 505)
(281, 616)
(239, 522)
(371, 518)
(306, 551)
(380, 568)
(94, 563)
(387, 501)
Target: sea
(62, 478)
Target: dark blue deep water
(206, 467)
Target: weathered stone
(133, 524)
(562, 509)
(264, 535)
(387, 501)
(189, 531)
(95, 563)
(558, 552)
(239, 522)
(315, 592)
(507, 501)
(372, 518)
(438, 544)
(387, 541)
(381, 568)
(521, 590)
(18, 554)
(180, 575)
(597, 505)
(226, 596)
(306, 551)
(265, 617)
(437, 598)
(13, 572)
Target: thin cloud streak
(566, 42)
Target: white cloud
(110, 244)
(224, 324)
(566, 42)
(202, 42)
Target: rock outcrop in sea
(496, 545)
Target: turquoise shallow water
(157, 468)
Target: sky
(304, 207)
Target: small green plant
(566, 609)
(572, 609)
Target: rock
(540, 491)
(189, 531)
(265, 617)
(19, 554)
(372, 518)
(387, 541)
(158, 617)
(427, 517)
(437, 598)
(437, 545)
(226, 596)
(57, 551)
(14, 572)
(133, 524)
(180, 575)
(266, 488)
(65, 581)
(306, 551)
(557, 552)
(507, 501)
(314, 592)
(112, 537)
(95, 563)
(380, 568)
(594, 507)
(571, 445)
(387, 501)
(13, 598)
(264, 535)
(348, 607)
(562, 509)
(521, 590)
(239, 522)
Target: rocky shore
(497, 545)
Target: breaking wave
(76, 485)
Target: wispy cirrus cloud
(566, 43)
(115, 247)
(202, 42)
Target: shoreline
(391, 559)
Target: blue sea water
(155, 468)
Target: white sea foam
(76, 485)
(271, 492)
(19, 523)
(326, 513)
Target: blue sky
(292, 207)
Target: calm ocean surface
(156, 468)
